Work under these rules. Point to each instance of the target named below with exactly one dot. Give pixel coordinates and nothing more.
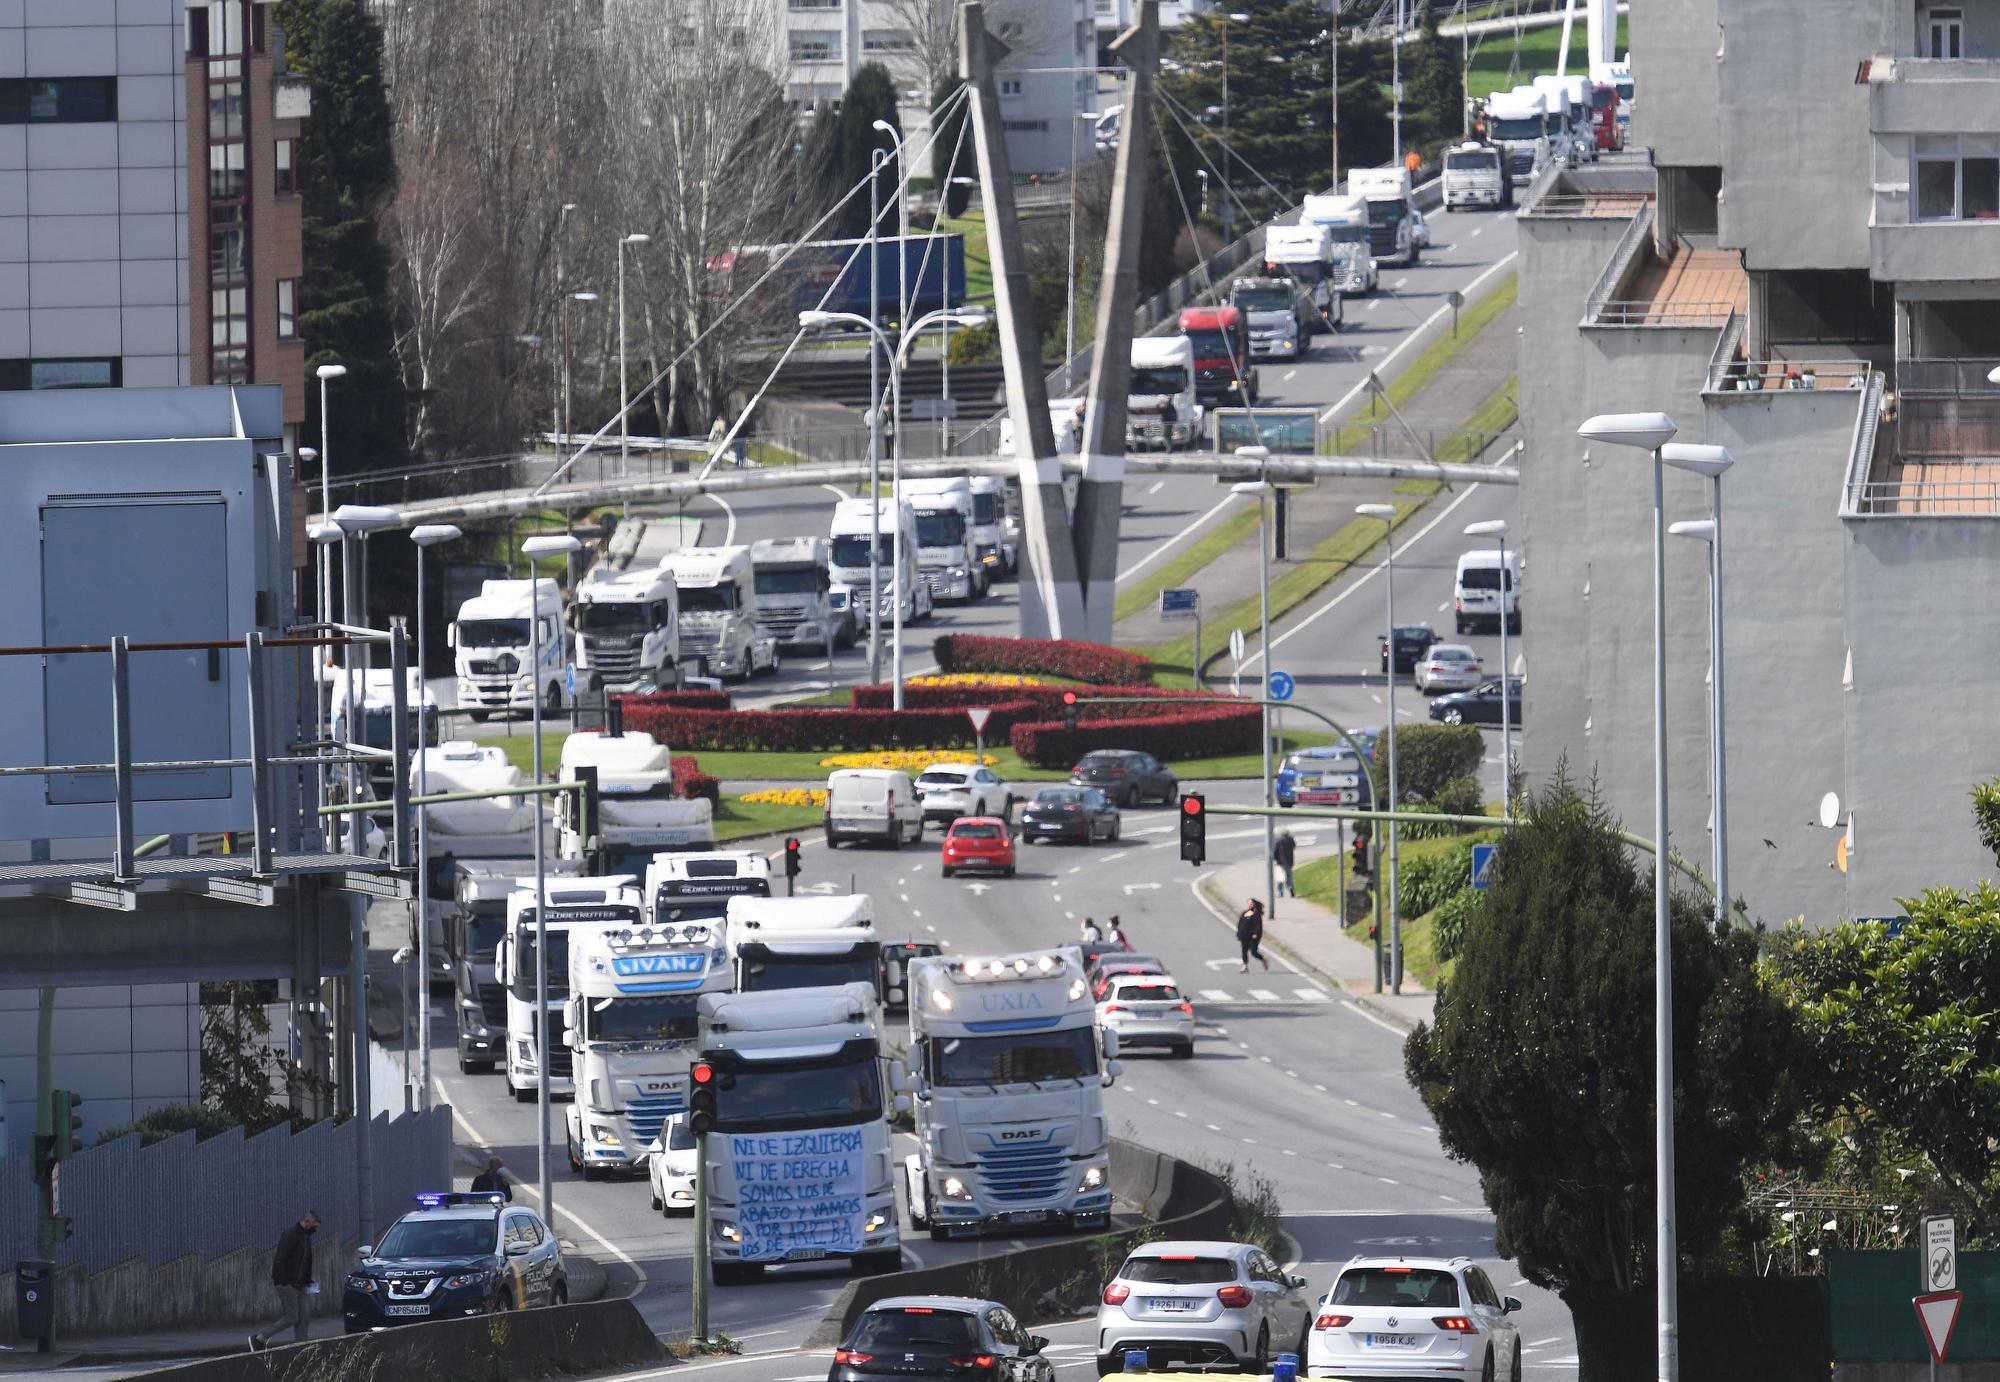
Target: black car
(458, 1253)
(1069, 813)
(1480, 705)
(1412, 642)
(1127, 776)
(940, 1336)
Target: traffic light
(701, 1099)
(1361, 855)
(64, 1120)
(45, 1158)
(1194, 829)
(1069, 710)
(792, 866)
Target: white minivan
(872, 804)
(1484, 589)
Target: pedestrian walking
(494, 1177)
(1091, 935)
(1250, 935)
(1284, 853)
(292, 1275)
(1117, 936)
(1414, 161)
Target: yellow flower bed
(786, 796)
(976, 679)
(908, 760)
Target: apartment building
(1803, 266)
(149, 210)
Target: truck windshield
(771, 1095)
(1527, 127)
(940, 528)
(1015, 1058)
(1479, 161)
(1306, 271)
(1262, 299)
(768, 973)
(985, 508)
(613, 618)
(668, 911)
(492, 633)
(708, 599)
(804, 580)
(482, 938)
(524, 969)
(1158, 381)
(1552, 125)
(853, 551)
(664, 1018)
(1212, 345)
(1349, 235)
(1385, 213)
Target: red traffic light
(1069, 698)
(703, 1072)
(791, 845)
(1191, 805)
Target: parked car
(978, 842)
(1069, 813)
(872, 803)
(1480, 705)
(1412, 642)
(458, 1253)
(951, 790)
(1202, 1304)
(940, 1336)
(1448, 667)
(670, 1167)
(1147, 1010)
(1127, 776)
(1429, 1317)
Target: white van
(1482, 591)
(872, 804)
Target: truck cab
(945, 554)
(1160, 407)
(1475, 175)
(1566, 102)
(493, 646)
(1304, 254)
(803, 942)
(374, 723)
(794, 589)
(1514, 125)
(1392, 229)
(1220, 340)
(570, 903)
(1618, 75)
(501, 829)
(638, 813)
(1345, 220)
(994, 537)
(697, 887)
(1279, 314)
(855, 521)
(627, 630)
(717, 599)
(1604, 121)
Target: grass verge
(1319, 881)
(1420, 371)
(978, 263)
(1493, 60)
(735, 819)
(1142, 594)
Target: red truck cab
(1604, 116)
(1221, 341)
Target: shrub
(691, 782)
(828, 731)
(1422, 830)
(1460, 797)
(1428, 759)
(170, 1120)
(1060, 657)
(1424, 881)
(683, 700)
(1449, 923)
(1047, 699)
(1179, 734)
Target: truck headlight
(875, 1222)
(1093, 1179)
(954, 1189)
(603, 1136)
(727, 1231)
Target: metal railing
(1783, 375)
(1684, 315)
(1606, 206)
(1724, 353)
(1925, 499)
(1636, 238)
(1954, 378)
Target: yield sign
(978, 715)
(1937, 1314)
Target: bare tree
(442, 287)
(932, 55)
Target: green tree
(944, 166)
(853, 139)
(1433, 112)
(1430, 761)
(347, 170)
(1539, 1067)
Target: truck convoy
(571, 903)
(1160, 407)
(1304, 254)
(1008, 1068)
(1475, 175)
(795, 594)
(1345, 220)
(638, 813)
(627, 630)
(1514, 125)
(1568, 100)
(803, 942)
(1279, 315)
(847, 557)
(1221, 343)
(716, 595)
(494, 648)
(798, 1140)
(946, 558)
(1392, 231)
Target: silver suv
(1201, 1305)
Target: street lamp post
(562, 438)
(1396, 88)
(549, 544)
(876, 350)
(560, 422)
(1386, 513)
(1497, 528)
(326, 375)
(1650, 432)
(624, 388)
(1261, 487)
(902, 233)
(1710, 462)
(425, 535)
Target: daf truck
(638, 813)
(627, 630)
(716, 593)
(570, 903)
(1345, 220)
(1392, 229)
(946, 558)
(994, 536)
(1160, 407)
(803, 942)
(494, 648)
(1514, 125)
(630, 1019)
(797, 1160)
(795, 594)
(1008, 1068)
(1475, 174)
(847, 541)
(1304, 254)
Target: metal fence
(1636, 238)
(212, 1197)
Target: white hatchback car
(1147, 1010)
(1430, 1317)
(951, 790)
(1448, 667)
(670, 1166)
(1201, 1304)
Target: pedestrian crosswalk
(1265, 996)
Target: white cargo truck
(1475, 175)
(1346, 223)
(847, 541)
(803, 942)
(1566, 101)
(1514, 125)
(698, 886)
(1392, 226)
(1008, 1068)
(572, 903)
(946, 557)
(494, 648)
(994, 537)
(638, 814)
(794, 594)
(491, 828)
(1160, 406)
(716, 594)
(1304, 254)
(627, 630)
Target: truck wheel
(940, 1234)
(832, 840)
(524, 1096)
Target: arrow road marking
(1131, 888)
(978, 887)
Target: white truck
(717, 597)
(946, 557)
(1568, 98)
(638, 813)
(847, 540)
(1008, 1068)
(627, 630)
(374, 725)
(795, 594)
(494, 648)
(1160, 406)
(1475, 174)
(798, 1161)
(1346, 222)
(630, 1021)
(1515, 126)
(995, 539)
(803, 942)
(1392, 229)
(1304, 254)
(571, 903)
(491, 828)
(697, 887)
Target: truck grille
(493, 1001)
(1024, 1175)
(701, 640)
(1520, 162)
(648, 1114)
(485, 669)
(1382, 241)
(561, 1065)
(611, 662)
(782, 622)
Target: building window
(1944, 33)
(815, 45)
(286, 178)
(58, 100)
(226, 263)
(225, 171)
(288, 308)
(225, 110)
(886, 41)
(1957, 177)
(16, 375)
(1010, 86)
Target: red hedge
(683, 700)
(1048, 699)
(820, 730)
(1060, 657)
(691, 782)
(1179, 734)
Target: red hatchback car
(979, 842)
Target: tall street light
(426, 536)
(816, 320)
(876, 350)
(902, 232)
(563, 439)
(1711, 461)
(1261, 487)
(546, 545)
(326, 375)
(1497, 528)
(1396, 96)
(1386, 514)
(1650, 432)
(624, 389)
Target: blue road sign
(1482, 865)
(569, 681)
(1282, 686)
(1181, 603)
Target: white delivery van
(872, 804)
(1484, 590)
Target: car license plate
(1028, 1216)
(1174, 1303)
(805, 1254)
(1392, 1341)
(406, 1309)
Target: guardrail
(1687, 315)
(1925, 499)
(1637, 236)
(1778, 374)
(1861, 450)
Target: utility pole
(1396, 84)
(1333, 83)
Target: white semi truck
(374, 724)
(1392, 228)
(1160, 406)
(1567, 101)
(797, 1161)
(460, 832)
(795, 594)
(571, 903)
(1008, 1069)
(1304, 254)
(638, 813)
(494, 648)
(1475, 174)
(1514, 124)
(804, 942)
(946, 555)
(627, 630)
(1346, 223)
(630, 1020)
(847, 542)
(994, 539)
(697, 887)
(717, 600)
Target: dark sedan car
(1480, 705)
(458, 1253)
(1412, 642)
(940, 1336)
(1069, 813)
(1127, 776)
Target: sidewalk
(1310, 936)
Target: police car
(457, 1253)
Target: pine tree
(1433, 111)
(871, 96)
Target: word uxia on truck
(495, 648)
(572, 903)
(797, 1138)
(1008, 1068)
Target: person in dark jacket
(1284, 853)
(1250, 935)
(292, 1275)
(494, 1178)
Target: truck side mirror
(451, 635)
(1112, 1070)
(572, 1010)
(901, 1103)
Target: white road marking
(1288, 1151)
(915, 913)
(1154, 830)
(1451, 1199)
(1371, 304)
(1441, 609)
(729, 531)
(1264, 995)
(1212, 1128)
(1180, 1113)
(1290, 375)
(1320, 1087)
(1360, 1011)
(1109, 858)
(1077, 869)
(1399, 283)
(1217, 995)
(1314, 995)
(1350, 1103)
(1157, 486)
(1331, 413)
(1386, 1181)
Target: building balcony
(1931, 447)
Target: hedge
(683, 700)
(1194, 733)
(812, 730)
(691, 782)
(1056, 657)
(1448, 925)
(1047, 699)
(1425, 881)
